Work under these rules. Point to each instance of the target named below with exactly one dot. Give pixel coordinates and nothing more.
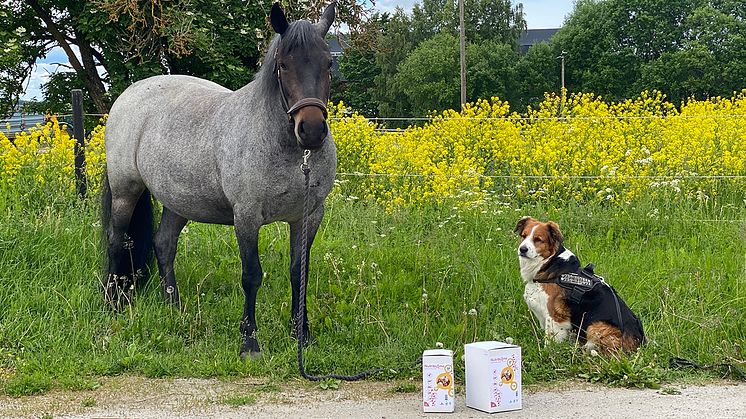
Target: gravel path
(140, 398)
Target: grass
(382, 288)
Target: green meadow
(383, 286)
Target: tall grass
(383, 286)
(392, 273)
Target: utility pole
(463, 53)
(562, 57)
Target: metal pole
(463, 53)
(79, 134)
(562, 58)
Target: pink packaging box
(493, 376)
(437, 380)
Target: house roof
(535, 35)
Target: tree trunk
(96, 88)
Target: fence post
(79, 134)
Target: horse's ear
(278, 19)
(327, 18)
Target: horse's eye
(331, 63)
(283, 66)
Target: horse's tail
(139, 240)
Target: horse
(213, 155)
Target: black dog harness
(578, 283)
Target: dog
(567, 299)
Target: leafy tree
(396, 42)
(359, 68)
(430, 75)
(121, 42)
(491, 71)
(711, 60)
(492, 21)
(537, 72)
(617, 48)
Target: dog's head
(539, 242)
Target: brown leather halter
(302, 103)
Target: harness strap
(580, 282)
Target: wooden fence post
(79, 134)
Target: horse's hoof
(251, 354)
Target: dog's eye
(537, 240)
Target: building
(535, 35)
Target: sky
(539, 14)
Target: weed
(28, 384)
(237, 400)
(329, 384)
(669, 391)
(404, 388)
(88, 401)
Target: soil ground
(140, 398)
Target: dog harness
(578, 283)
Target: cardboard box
(437, 380)
(493, 376)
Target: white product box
(437, 380)
(493, 376)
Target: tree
(395, 43)
(488, 20)
(491, 71)
(617, 48)
(430, 75)
(537, 72)
(711, 60)
(359, 68)
(122, 42)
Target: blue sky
(539, 14)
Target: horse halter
(302, 103)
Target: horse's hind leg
(128, 242)
(166, 240)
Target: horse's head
(303, 65)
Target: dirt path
(140, 398)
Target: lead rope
(302, 297)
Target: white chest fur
(537, 301)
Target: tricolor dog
(566, 298)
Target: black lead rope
(302, 297)
(676, 363)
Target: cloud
(39, 76)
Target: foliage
(419, 60)
(683, 48)
(430, 75)
(359, 69)
(221, 41)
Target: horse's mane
(300, 34)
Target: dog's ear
(554, 232)
(522, 224)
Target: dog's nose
(522, 250)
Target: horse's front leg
(247, 233)
(296, 249)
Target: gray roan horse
(217, 156)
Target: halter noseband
(302, 103)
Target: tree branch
(56, 34)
